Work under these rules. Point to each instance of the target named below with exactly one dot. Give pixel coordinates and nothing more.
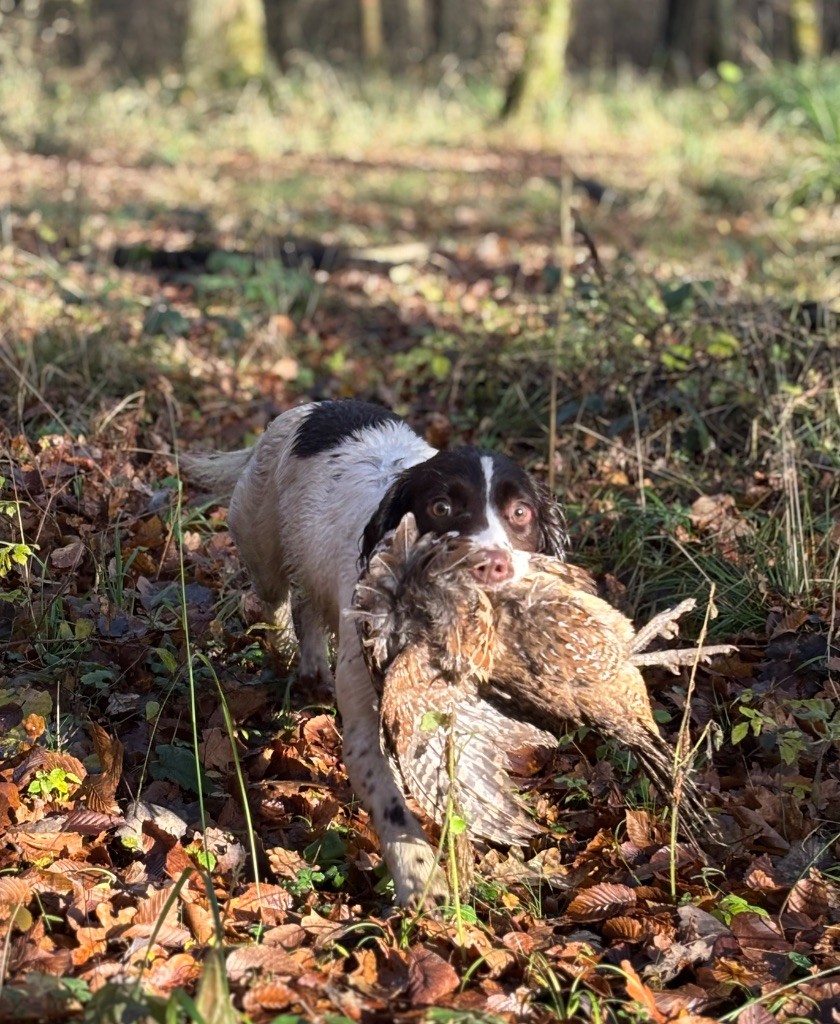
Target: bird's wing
(565, 636)
(455, 754)
(572, 576)
(551, 651)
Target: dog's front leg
(315, 671)
(410, 858)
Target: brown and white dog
(308, 504)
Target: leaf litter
(126, 856)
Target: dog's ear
(552, 523)
(394, 505)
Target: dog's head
(476, 494)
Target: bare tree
(372, 38)
(678, 37)
(226, 41)
(417, 16)
(721, 44)
(545, 30)
(806, 28)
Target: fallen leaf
(625, 929)
(14, 891)
(285, 863)
(323, 930)
(679, 1002)
(640, 993)
(264, 902)
(789, 623)
(269, 959)
(41, 759)
(518, 942)
(430, 977)
(810, 896)
(755, 1013)
(167, 935)
(9, 801)
(178, 971)
(271, 996)
(69, 556)
(149, 911)
(200, 922)
(497, 961)
(90, 823)
(754, 932)
(600, 902)
(643, 829)
(216, 750)
(36, 845)
(289, 936)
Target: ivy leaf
(740, 731)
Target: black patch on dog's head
(332, 422)
(452, 477)
(457, 480)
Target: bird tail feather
(685, 798)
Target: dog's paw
(315, 675)
(419, 880)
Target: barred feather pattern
(422, 715)
(423, 707)
(498, 667)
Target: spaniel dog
(308, 504)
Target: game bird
(474, 676)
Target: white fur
(494, 535)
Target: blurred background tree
(372, 40)
(544, 31)
(678, 35)
(226, 41)
(525, 45)
(806, 23)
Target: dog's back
(301, 496)
(325, 490)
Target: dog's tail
(215, 472)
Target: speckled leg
(410, 858)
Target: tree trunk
(722, 38)
(372, 42)
(807, 30)
(284, 28)
(490, 22)
(677, 38)
(546, 26)
(417, 17)
(226, 41)
(447, 18)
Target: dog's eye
(440, 509)
(520, 514)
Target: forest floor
(175, 272)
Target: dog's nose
(495, 566)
